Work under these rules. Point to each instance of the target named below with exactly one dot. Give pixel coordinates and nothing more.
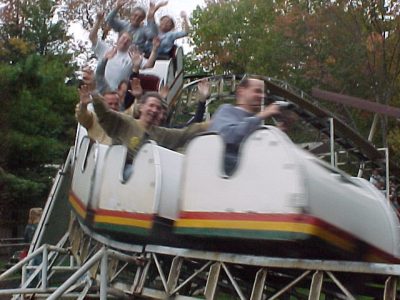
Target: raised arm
(101, 82)
(153, 55)
(112, 20)
(203, 93)
(176, 138)
(153, 9)
(115, 124)
(185, 22)
(93, 33)
(82, 114)
(136, 88)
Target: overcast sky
(176, 6)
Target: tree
(36, 119)
(230, 36)
(351, 47)
(345, 46)
(32, 21)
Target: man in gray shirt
(234, 123)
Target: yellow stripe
(264, 225)
(122, 221)
(81, 212)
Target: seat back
(153, 187)
(266, 179)
(86, 178)
(149, 82)
(80, 134)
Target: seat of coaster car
(167, 72)
(149, 82)
(171, 54)
(152, 82)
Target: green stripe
(122, 228)
(244, 234)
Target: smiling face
(112, 101)
(166, 24)
(137, 17)
(162, 116)
(250, 96)
(150, 111)
(124, 42)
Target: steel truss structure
(85, 265)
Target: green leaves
(236, 36)
(37, 124)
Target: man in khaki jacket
(88, 119)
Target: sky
(176, 6)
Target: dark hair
(172, 20)
(122, 82)
(141, 9)
(147, 95)
(245, 82)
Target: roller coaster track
(306, 107)
(86, 265)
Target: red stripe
(232, 216)
(123, 214)
(386, 257)
(77, 200)
(295, 218)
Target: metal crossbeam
(193, 273)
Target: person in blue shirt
(235, 123)
(168, 35)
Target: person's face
(252, 95)
(112, 101)
(122, 89)
(166, 24)
(137, 18)
(124, 42)
(150, 111)
(162, 116)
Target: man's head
(112, 100)
(166, 24)
(137, 16)
(150, 108)
(250, 94)
(124, 41)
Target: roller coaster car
(280, 200)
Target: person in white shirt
(120, 57)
